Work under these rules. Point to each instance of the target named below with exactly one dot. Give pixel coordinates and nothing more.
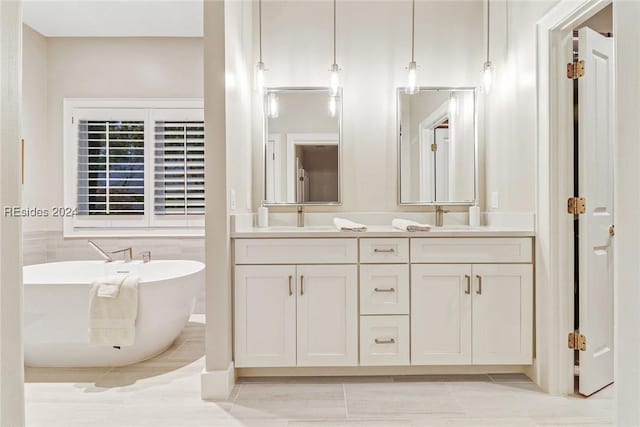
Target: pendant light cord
(488, 26)
(260, 27)
(334, 31)
(413, 30)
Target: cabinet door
(265, 315)
(327, 315)
(502, 314)
(440, 314)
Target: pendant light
(334, 82)
(260, 69)
(487, 71)
(412, 78)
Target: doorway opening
(591, 73)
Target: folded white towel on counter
(109, 286)
(346, 225)
(112, 319)
(407, 225)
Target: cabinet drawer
(386, 250)
(384, 340)
(384, 289)
(471, 250)
(296, 251)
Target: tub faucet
(128, 254)
(300, 222)
(440, 216)
(98, 249)
(146, 256)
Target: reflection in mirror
(302, 146)
(437, 137)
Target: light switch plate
(495, 200)
(232, 199)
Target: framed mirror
(437, 146)
(302, 145)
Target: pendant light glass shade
(334, 80)
(273, 106)
(412, 79)
(334, 77)
(333, 106)
(412, 76)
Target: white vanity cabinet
(296, 314)
(265, 315)
(327, 315)
(477, 313)
(385, 300)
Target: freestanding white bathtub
(56, 310)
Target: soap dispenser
(263, 216)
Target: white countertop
(378, 231)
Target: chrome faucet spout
(98, 249)
(300, 222)
(440, 216)
(128, 254)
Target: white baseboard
(217, 385)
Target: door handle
(384, 289)
(387, 341)
(468, 290)
(388, 251)
(479, 291)
(290, 290)
(301, 285)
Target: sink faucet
(300, 210)
(440, 216)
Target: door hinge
(434, 147)
(576, 205)
(575, 70)
(577, 341)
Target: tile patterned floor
(165, 391)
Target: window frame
(149, 111)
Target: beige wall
(58, 68)
(510, 115)
(373, 51)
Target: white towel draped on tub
(407, 225)
(113, 308)
(346, 225)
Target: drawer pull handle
(290, 291)
(383, 341)
(384, 251)
(384, 289)
(301, 285)
(468, 290)
(479, 291)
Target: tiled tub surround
(315, 298)
(50, 246)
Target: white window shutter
(110, 167)
(179, 168)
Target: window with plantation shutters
(111, 167)
(134, 166)
(179, 168)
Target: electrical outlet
(495, 200)
(232, 199)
